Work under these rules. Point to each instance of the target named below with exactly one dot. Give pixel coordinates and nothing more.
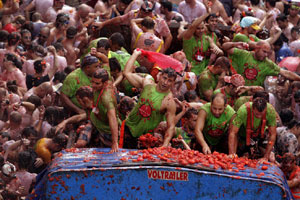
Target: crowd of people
(209, 75)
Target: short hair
(12, 86)
(148, 23)
(85, 91)
(20, 19)
(71, 32)
(51, 115)
(34, 99)
(103, 43)
(221, 95)
(190, 95)
(13, 58)
(254, 2)
(101, 74)
(126, 104)
(114, 65)
(24, 31)
(142, 69)
(170, 72)
(261, 94)
(61, 18)
(259, 104)
(286, 115)
(36, 16)
(281, 17)
(13, 38)
(272, 3)
(190, 112)
(39, 50)
(3, 35)
(168, 5)
(296, 84)
(117, 38)
(296, 29)
(59, 76)
(24, 159)
(60, 139)
(223, 62)
(15, 117)
(126, 2)
(28, 131)
(38, 66)
(58, 46)
(212, 15)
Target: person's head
(116, 41)
(201, 28)
(278, 44)
(3, 93)
(44, 89)
(147, 23)
(161, 128)
(30, 133)
(100, 77)
(294, 10)
(43, 35)
(218, 104)
(26, 37)
(295, 86)
(36, 17)
(191, 96)
(35, 100)
(51, 115)
(270, 4)
(84, 96)
(83, 11)
(255, 2)
(297, 97)
(189, 1)
(58, 4)
(62, 21)
(190, 117)
(39, 66)
(288, 162)
(212, 21)
(146, 9)
(250, 24)
(4, 136)
(90, 64)
(13, 38)
(59, 142)
(261, 94)
(115, 67)
(59, 48)
(166, 7)
(38, 50)
(233, 82)
(286, 116)
(12, 86)
(295, 32)
(294, 127)
(282, 21)
(11, 60)
(19, 21)
(4, 36)
(24, 160)
(103, 46)
(166, 79)
(259, 107)
(262, 50)
(71, 32)
(59, 77)
(15, 119)
(222, 64)
(122, 5)
(126, 105)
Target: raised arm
(134, 27)
(190, 32)
(229, 46)
(52, 71)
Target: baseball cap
(236, 80)
(249, 22)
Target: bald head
(219, 98)
(263, 44)
(262, 50)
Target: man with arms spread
(155, 102)
(212, 124)
(255, 66)
(248, 129)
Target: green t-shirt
(230, 99)
(191, 47)
(207, 81)
(107, 101)
(122, 57)
(215, 128)
(240, 120)
(146, 114)
(93, 44)
(253, 71)
(241, 100)
(73, 82)
(244, 38)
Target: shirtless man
(294, 16)
(218, 8)
(58, 6)
(145, 36)
(155, 102)
(167, 10)
(43, 36)
(68, 43)
(292, 173)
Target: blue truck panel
(95, 174)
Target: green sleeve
(273, 68)
(68, 86)
(206, 107)
(109, 99)
(271, 116)
(238, 58)
(241, 116)
(205, 83)
(255, 38)
(240, 38)
(229, 111)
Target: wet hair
(60, 139)
(20, 20)
(297, 94)
(170, 72)
(4, 36)
(13, 58)
(190, 96)
(15, 117)
(28, 131)
(126, 104)
(221, 95)
(24, 159)
(142, 69)
(58, 46)
(5, 135)
(278, 42)
(296, 84)
(296, 29)
(69, 69)
(39, 50)
(177, 18)
(38, 66)
(168, 5)
(28, 25)
(34, 99)
(190, 112)
(12, 86)
(13, 38)
(148, 23)
(261, 94)
(223, 62)
(103, 43)
(51, 115)
(271, 2)
(114, 65)
(85, 91)
(59, 76)
(117, 38)
(126, 2)
(61, 18)
(101, 74)
(254, 2)
(212, 15)
(71, 32)
(259, 104)
(286, 116)
(281, 17)
(292, 124)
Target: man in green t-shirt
(155, 103)
(213, 123)
(249, 28)
(212, 78)
(255, 66)
(248, 130)
(79, 77)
